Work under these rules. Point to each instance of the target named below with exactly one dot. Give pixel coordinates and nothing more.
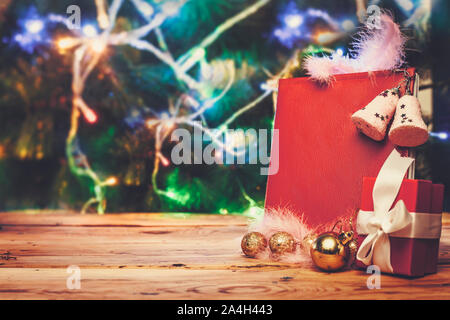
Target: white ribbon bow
(376, 248)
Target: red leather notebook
(322, 156)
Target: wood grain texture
(164, 256)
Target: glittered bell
(408, 128)
(373, 119)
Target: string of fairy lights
(88, 51)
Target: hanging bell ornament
(253, 243)
(408, 128)
(374, 118)
(281, 243)
(330, 251)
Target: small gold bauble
(353, 248)
(329, 253)
(253, 243)
(307, 242)
(281, 243)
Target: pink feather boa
(376, 49)
(283, 219)
(276, 220)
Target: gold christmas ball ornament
(281, 243)
(353, 247)
(307, 242)
(330, 251)
(253, 243)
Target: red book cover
(322, 157)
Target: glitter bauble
(281, 243)
(253, 243)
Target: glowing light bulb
(18, 38)
(269, 85)
(90, 31)
(164, 161)
(348, 25)
(98, 46)
(34, 26)
(169, 125)
(218, 156)
(66, 43)
(293, 20)
(103, 21)
(112, 181)
(89, 115)
(151, 122)
(165, 115)
(278, 33)
(439, 135)
(340, 52)
(170, 194)
(326, 37)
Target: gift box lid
(418, 195)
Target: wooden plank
(113, 247)
(155, 256)
(299, 283)
(40, 247)
(64, 218)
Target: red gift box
(410, 256)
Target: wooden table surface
(173, 256)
